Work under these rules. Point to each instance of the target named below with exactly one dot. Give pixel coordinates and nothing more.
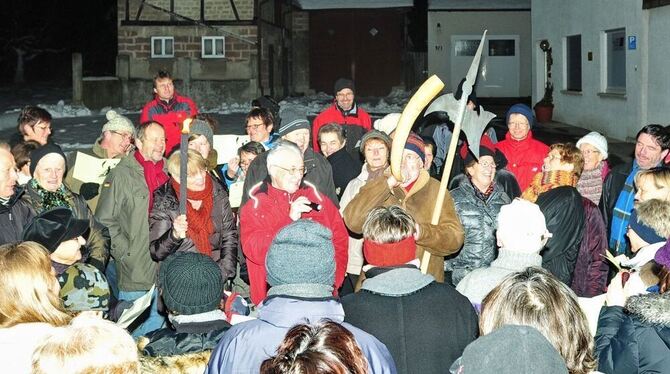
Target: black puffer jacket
(224, 240)
(98, 242)
(635, 339)
(478, 218)
(564, 213)
(14, 216)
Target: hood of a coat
(18, 192)
(286, 312)
(653, 309)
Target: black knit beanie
(191, 283)
(36, 155)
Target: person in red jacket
(525, 155)
(344, 111)
(275, 203)
(168, 108)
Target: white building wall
(658, 93)
(474, 23)
(617, 116)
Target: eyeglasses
(487, 164)
(345, 95)
(255, 127)
(517, 124)
(293, 171)
(122, 135)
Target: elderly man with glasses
(276, 202)
(115, 142)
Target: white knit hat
(597, 140)
(388, 123)
(117, 122)
(526, 237)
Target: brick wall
(135, 41)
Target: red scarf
(200, 225)
(153, 175)
(389, 254)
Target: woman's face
(483, 172)
(196, 181)
(376, 153)
(592, 156)
(68, 252)
(49, 172)
(647, 190)
(200, 144)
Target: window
(615, 61)
(573, 63)
(502, 47)
(213, 47)
(466, 47)
(162, 46)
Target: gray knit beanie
(117, 122)
(301, 261)
(200, 127)
(191, 283)
(292, 120)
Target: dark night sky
(56, 29)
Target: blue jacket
(246, 345)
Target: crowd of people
(131, 256)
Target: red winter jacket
(524, 157)
(266, 213)
(358, 119)
(170, 114)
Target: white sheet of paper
(235, 194)
(226, 146)
(139, 305)
(591, 307)
(93, 169)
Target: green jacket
(124, 208)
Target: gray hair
(388, 225)
(655, 213)
(276, 154)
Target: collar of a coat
(421, 182)
(653, 309)
(396, 281)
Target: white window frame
(605, 62)
(164, 40)
(213, 40)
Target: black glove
(89, 190)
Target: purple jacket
(590, 276)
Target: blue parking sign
(632, 42)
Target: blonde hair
(195, 162)
(534, 297)
(88, 345)
(570, 155)
(655, 213)
(28, 289)
(660, 176)
(388, 225)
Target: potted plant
(544, 109)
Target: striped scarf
(621, 213)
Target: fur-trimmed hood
(188, 363)
(652, 309)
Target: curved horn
(431, 87)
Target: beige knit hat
(117, 122)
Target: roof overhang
(351, 4)
(478, 5)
